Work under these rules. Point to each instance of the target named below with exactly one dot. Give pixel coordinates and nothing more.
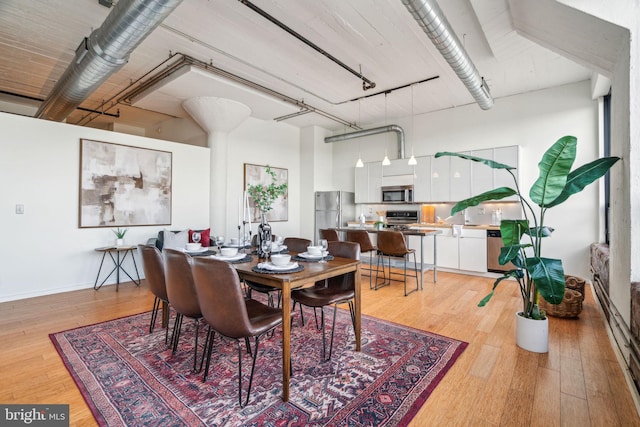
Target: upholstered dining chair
(336, 290)
(153, 265)
(227, 312)
(391, 244)
(330, 234)
(362, 238)
(297, 244)
(182, 295)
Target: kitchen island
(420, 233)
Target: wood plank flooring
(494, 383)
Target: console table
(118, 260)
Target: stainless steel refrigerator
(334, 209)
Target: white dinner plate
(310, 256)
(228, 258)
(197, 251)
(271, 266)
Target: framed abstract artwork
(257, 174)
(121, 185)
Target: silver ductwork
(103, 53)
(374, 131)
(433, 22)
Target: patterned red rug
(129, 378)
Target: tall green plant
(522, 238)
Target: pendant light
(359, 163)
(385, 161)
(412, 159)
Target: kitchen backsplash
(481, 214)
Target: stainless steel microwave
(397, 194)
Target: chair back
(330, 234)
(349, 250)
(181, 289)
(392, 243)
(362, 238)
(221, 297)
(297, 244)
(153, 266)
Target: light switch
(19, 209)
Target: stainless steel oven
(397, 194)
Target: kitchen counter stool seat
(391, 244)
(362, 238)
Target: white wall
(43, 251)
(533, 121)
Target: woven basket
(571, 305)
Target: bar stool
(362, 238)
(393, 245)
(330, 234)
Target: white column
(218, 117)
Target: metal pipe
(435, 25)
(374, 131)
(103, 53)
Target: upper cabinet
(442, 179)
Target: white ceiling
(38, 40)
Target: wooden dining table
(286, 282)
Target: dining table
(311, 273)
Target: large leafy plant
(522, 238)
(264, 195)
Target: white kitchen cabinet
(397, 167)
(440, 179)
(507, 156)
(467, 252)
(481, 174)
(422, 181)
(375, 182)
(472, 251)
(362, 184)
(460, 178)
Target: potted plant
(536, 275)
(263, 196)
(120, 232)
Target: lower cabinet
(466, 252)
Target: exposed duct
(435, 25)
(103, 53)
(375, 131)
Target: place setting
(317, 253)
(231, 255)
(195, 248)
(280, 263)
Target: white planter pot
(119, 242)
(532, 335)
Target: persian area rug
(129, 378)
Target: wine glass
(265, 245)
(219, 241)
(196, 236)
(325, 246)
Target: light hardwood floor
(578, 383)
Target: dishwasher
(494, 243)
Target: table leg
(119, 264)
(286, 339)
(358, 307)
(95, 285)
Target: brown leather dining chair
(393, 245)
(182, 295)
(227, 312)
(334, 291)
(362, 238)
(330, 234)
(154, 276)
(297, 244)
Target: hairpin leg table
(117, 263)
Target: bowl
(280, 259)
(228, 251)
(193, 246)
(314, 250)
